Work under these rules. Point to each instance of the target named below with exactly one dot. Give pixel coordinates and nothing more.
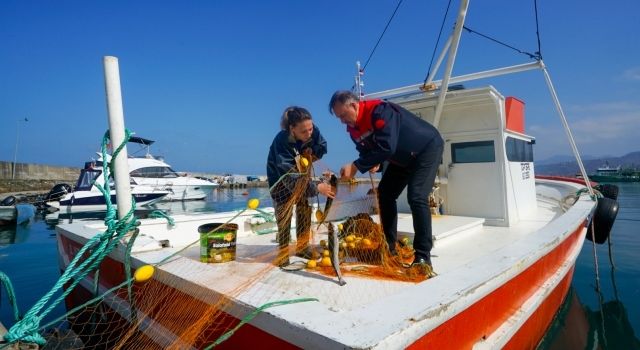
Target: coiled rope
(99, 247)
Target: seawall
(34, 177)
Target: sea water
(603, 312)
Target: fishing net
(183, 302)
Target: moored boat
(153, 171)
(505, 251)
(606, 173)
(87, 197)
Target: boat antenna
(358, 87)
(435, 47)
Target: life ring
(603, 220)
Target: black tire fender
(603, 220)
(609, 191)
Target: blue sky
(208, 80)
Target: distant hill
(570, 167)
(565, 158)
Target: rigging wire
(535, 56)
(381, 35)
(437, 42)
(539, 52)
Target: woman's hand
(326, 190)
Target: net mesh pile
(171, 311)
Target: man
(386, 132)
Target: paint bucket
(217, 242)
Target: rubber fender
(603, 219)
(609, 191)
(11, 200)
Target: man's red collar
(363, 120)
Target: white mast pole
(116, 130)
(462, 14)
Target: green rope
(269, 217)
(252, 315)
(99, 247)
(11, 295)
(159, 214)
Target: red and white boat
(505, 251)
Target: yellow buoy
(340, 227)
(311, 264)
(143, 273)
(319, 215)
(253, 203)
(326, 261)
(304, 162)
(326, 252)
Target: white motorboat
(87, 197)
(153, 171)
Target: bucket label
(218, 247)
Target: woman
(293, 149)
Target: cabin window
(519, 150)
(473, 152)
(155, 172)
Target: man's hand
(374, 169)
(325, 189)
(348, 171)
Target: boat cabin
(487, 158)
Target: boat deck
(366, 312)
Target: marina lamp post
(15, 152)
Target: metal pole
(565, 124)
(116, 129)
(432, 74)
(15, 152)
(462, 13)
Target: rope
(531, 55)
(159, 214)
(435, 47)
(11, 295)
(539, 52)
(100, 246)
(381, 35)
(252, 315)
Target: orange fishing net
(187, 304)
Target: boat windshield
(154, 172)
(87, 178)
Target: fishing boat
(607, 173)
(505, 251)
(153, 171)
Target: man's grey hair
(342, 97)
